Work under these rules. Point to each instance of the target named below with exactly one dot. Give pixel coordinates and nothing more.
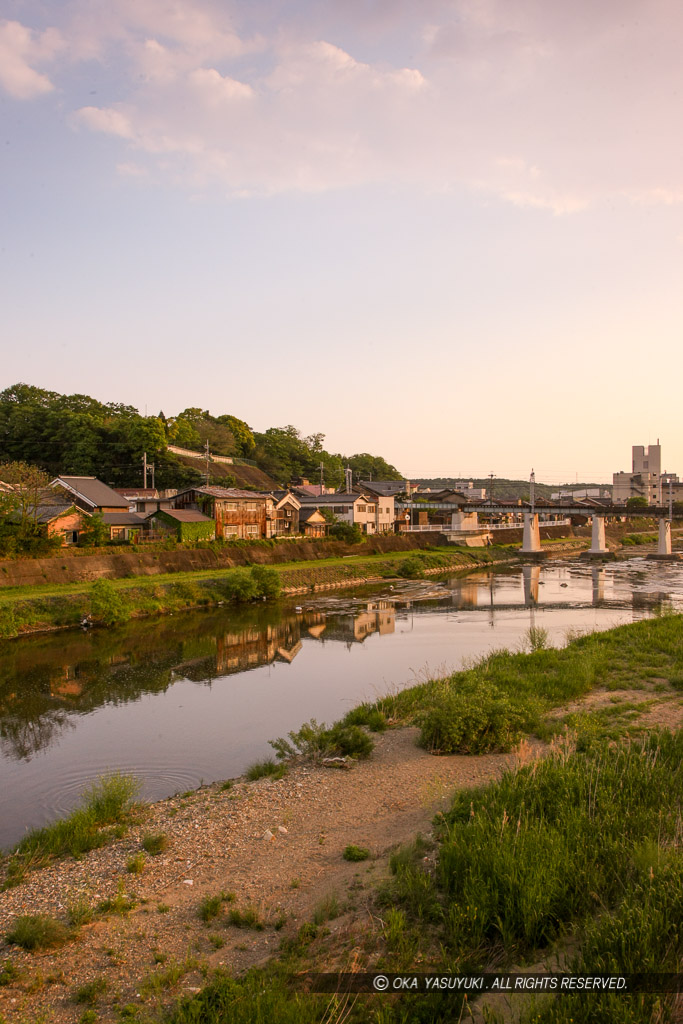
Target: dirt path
(277, 845)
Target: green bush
(313, 742)
(472, 718)
(240, 586)
(107, 604)
(346, 532)
(410, 568)
(267, 581)
(355, 853)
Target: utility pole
(532, 490)
(322, 478)
(492, 477)
(671, 500)
(152, 468)
(206, 462)
(144, 470)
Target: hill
(503, 488)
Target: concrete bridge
(465, 520)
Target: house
(382, 493)
(92, 497)
(236, 513)
(63, 521)
(143, 499)
(187, 523)
(286, 514)
(349, 507)
(312, 522)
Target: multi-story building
(645, 478)
(237, 513)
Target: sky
(448, 232)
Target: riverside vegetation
(109, 602)
(572, 861)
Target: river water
(195, 697)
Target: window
(361, 508)
(252, 506)
(251, 530)
(230, 531)
(229, 506)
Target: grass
(247, 918)
(267, 768)
(489, 705)
(108, 803)
(212, 906)
(91, 991)
(37, 931)
(154, 843)
(326, 909)
(136, 864)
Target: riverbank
(269, 855)
(32, 609)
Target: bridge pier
(598, 548)
(664, 552)
(531, 538)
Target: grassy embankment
(573, 861)
(46, 606)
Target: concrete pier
(664, 552)
(598, 548)
(531, 538)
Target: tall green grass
(557, 841)
(108, 802)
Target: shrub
(314, 741)
(211, 906)
(410, 568)
(267, 581)
(355, 853)
(473, 718)
(240, 586)
(107, 604)
(37, 931)
(346, 533)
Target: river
(195, 697)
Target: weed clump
(37, 931)
(154, 843)
(314, 742)
(265, 769)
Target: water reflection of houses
(239, 650)
(357, 625)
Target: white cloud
(107, 120)
(581, 100)
(20, 49)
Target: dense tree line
(77, 435)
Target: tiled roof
(226, 492)
(96, 493)
(329, 499)
(124, 518)
(185, 515)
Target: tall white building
(645, 478)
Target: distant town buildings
(645, 478)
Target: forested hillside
(78, 435)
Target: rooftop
(93, 491)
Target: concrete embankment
(82, 565)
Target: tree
(95, 532)
(637, 502)
(372, 467)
